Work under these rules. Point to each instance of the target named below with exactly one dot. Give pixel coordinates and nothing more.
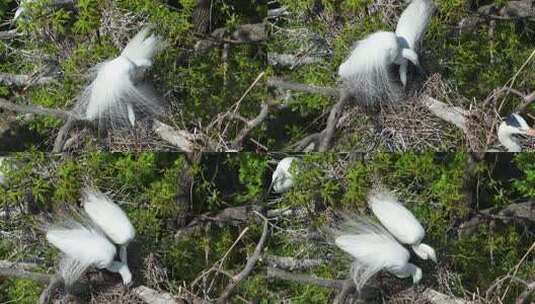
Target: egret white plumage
(512, 125)
(282, 179)
(410, 29)
(365, 72)
(110, 218)
(373, 249)
(84, 246)
(400, 222)
(117, 94)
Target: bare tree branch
(285, 85)
(304, 279)
(6, 35)
(290, 263)
(151, 296)
(7, 105)
(11, 270)
(248, 267)
(20, 80)
(179, 138)
(250, 125)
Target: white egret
(366, 71)
(110, 218)
(84, 246)
(282, 179)
(513, 124)
(410, 30)
(116, 95)
(400, 222)
(373, 250)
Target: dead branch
(6, 35)
(245, 33)
(151, 296)
(181, 139)
(285, 85)
(291, 264)
(250, 125)
(334, 116)
(451, 114)
(290, 60)
(7, 105)
(304, 278)
(20, 80)
(524, 211)
(11, 270)
(230, 215)
(236, 279)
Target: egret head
(425, 252)
(417, 275)
(513, 124)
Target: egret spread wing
(413, 21)
(108, 216)
(81, 248)
(372, 247)
(397, 219)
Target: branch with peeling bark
(20, 80)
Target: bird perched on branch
(117, 96)
(366, 72)
(373, 249)
(83, 246)
(282, 179)
(512, 125)
(111, 219)
(400, 222)
(410, 29)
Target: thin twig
(247, 269)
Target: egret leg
(403, 72)
(122, 253)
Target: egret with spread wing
(400, 222)
(110, 218)
(117, 95)
(373, 249)
(84, 246)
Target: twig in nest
(236, 279)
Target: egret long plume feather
(82, 246)
(117, 94)
(372, 248)
(366, 73)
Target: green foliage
(526, 185)
(20, 291)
